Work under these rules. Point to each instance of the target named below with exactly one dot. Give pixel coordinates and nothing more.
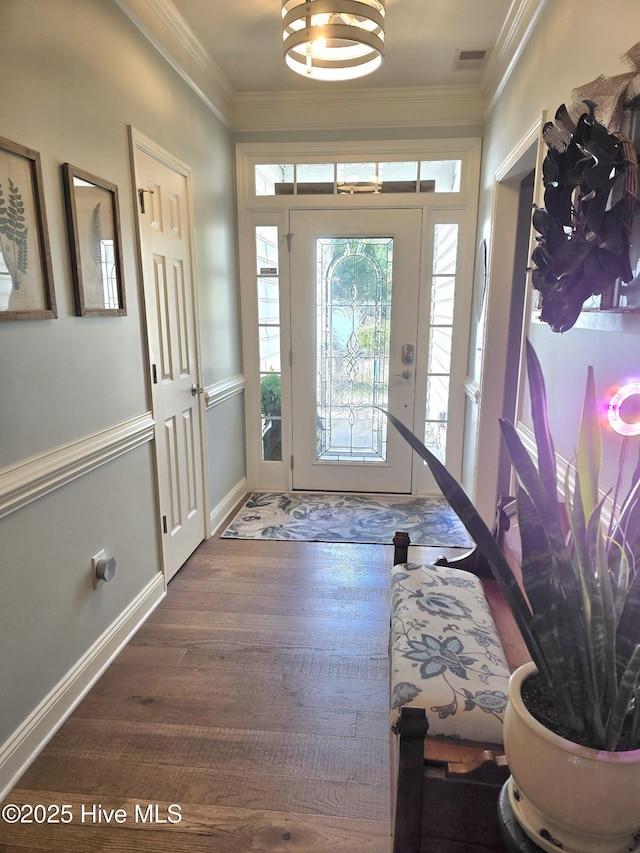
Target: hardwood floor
(255, 698)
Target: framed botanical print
(95, 243)
(26, 278)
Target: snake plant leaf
(544, 442)
(591, 601)
(530, 479)
(626, 531)
(540, 581)
(621, 578)
(608, 628)
(628, 630)
(579, 544)
(480, 533)
(625, 695)
(589, 455)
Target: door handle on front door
(196, 389)
(406, 374)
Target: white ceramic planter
(565, 796)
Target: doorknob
(406, 374)
(196, 389)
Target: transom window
(413, 176)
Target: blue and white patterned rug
(329, 517)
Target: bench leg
(401, 544)
(412, 727)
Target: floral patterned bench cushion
(446, 656)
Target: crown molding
(517, 29)
(429, 106)
(168, 32)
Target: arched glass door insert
(353, 332)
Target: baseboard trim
(222, 510)
(37, 476)
(30, 738)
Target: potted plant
(572, 727)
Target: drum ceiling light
(333, 39)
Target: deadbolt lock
(407, 353)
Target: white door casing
(455, 209)
(404, 228)
(165, 223)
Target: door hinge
(291, 462)
(164, 523)
(290, 358)
(288, 239)
(155, 374)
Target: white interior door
(164, 215)
(355, 277)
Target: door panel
(172, 330)
(354, 310)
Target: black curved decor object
(590, 179)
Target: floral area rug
(329, 517)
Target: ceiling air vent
(470, 59)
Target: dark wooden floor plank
(95, 778)
(223, 713)
(204, 829)
(248, 751)
(235, 586)
(252, 571)
(317, 664)
(198, 684)
(260, 621)
(272, 605)
(345, 693)
(210, 637)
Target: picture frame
(26, 276)
(95, 243)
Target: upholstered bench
(453, 644)
(445, 653)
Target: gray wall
(75, 74)
(572, 44)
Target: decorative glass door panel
(354, 279)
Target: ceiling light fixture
(333, 39)
(353, 185)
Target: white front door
(355, 280)
(164, 217)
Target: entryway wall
(546, 72)
(76, 461)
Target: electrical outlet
(101, 555)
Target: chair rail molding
(32, 478)
(224, 390)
